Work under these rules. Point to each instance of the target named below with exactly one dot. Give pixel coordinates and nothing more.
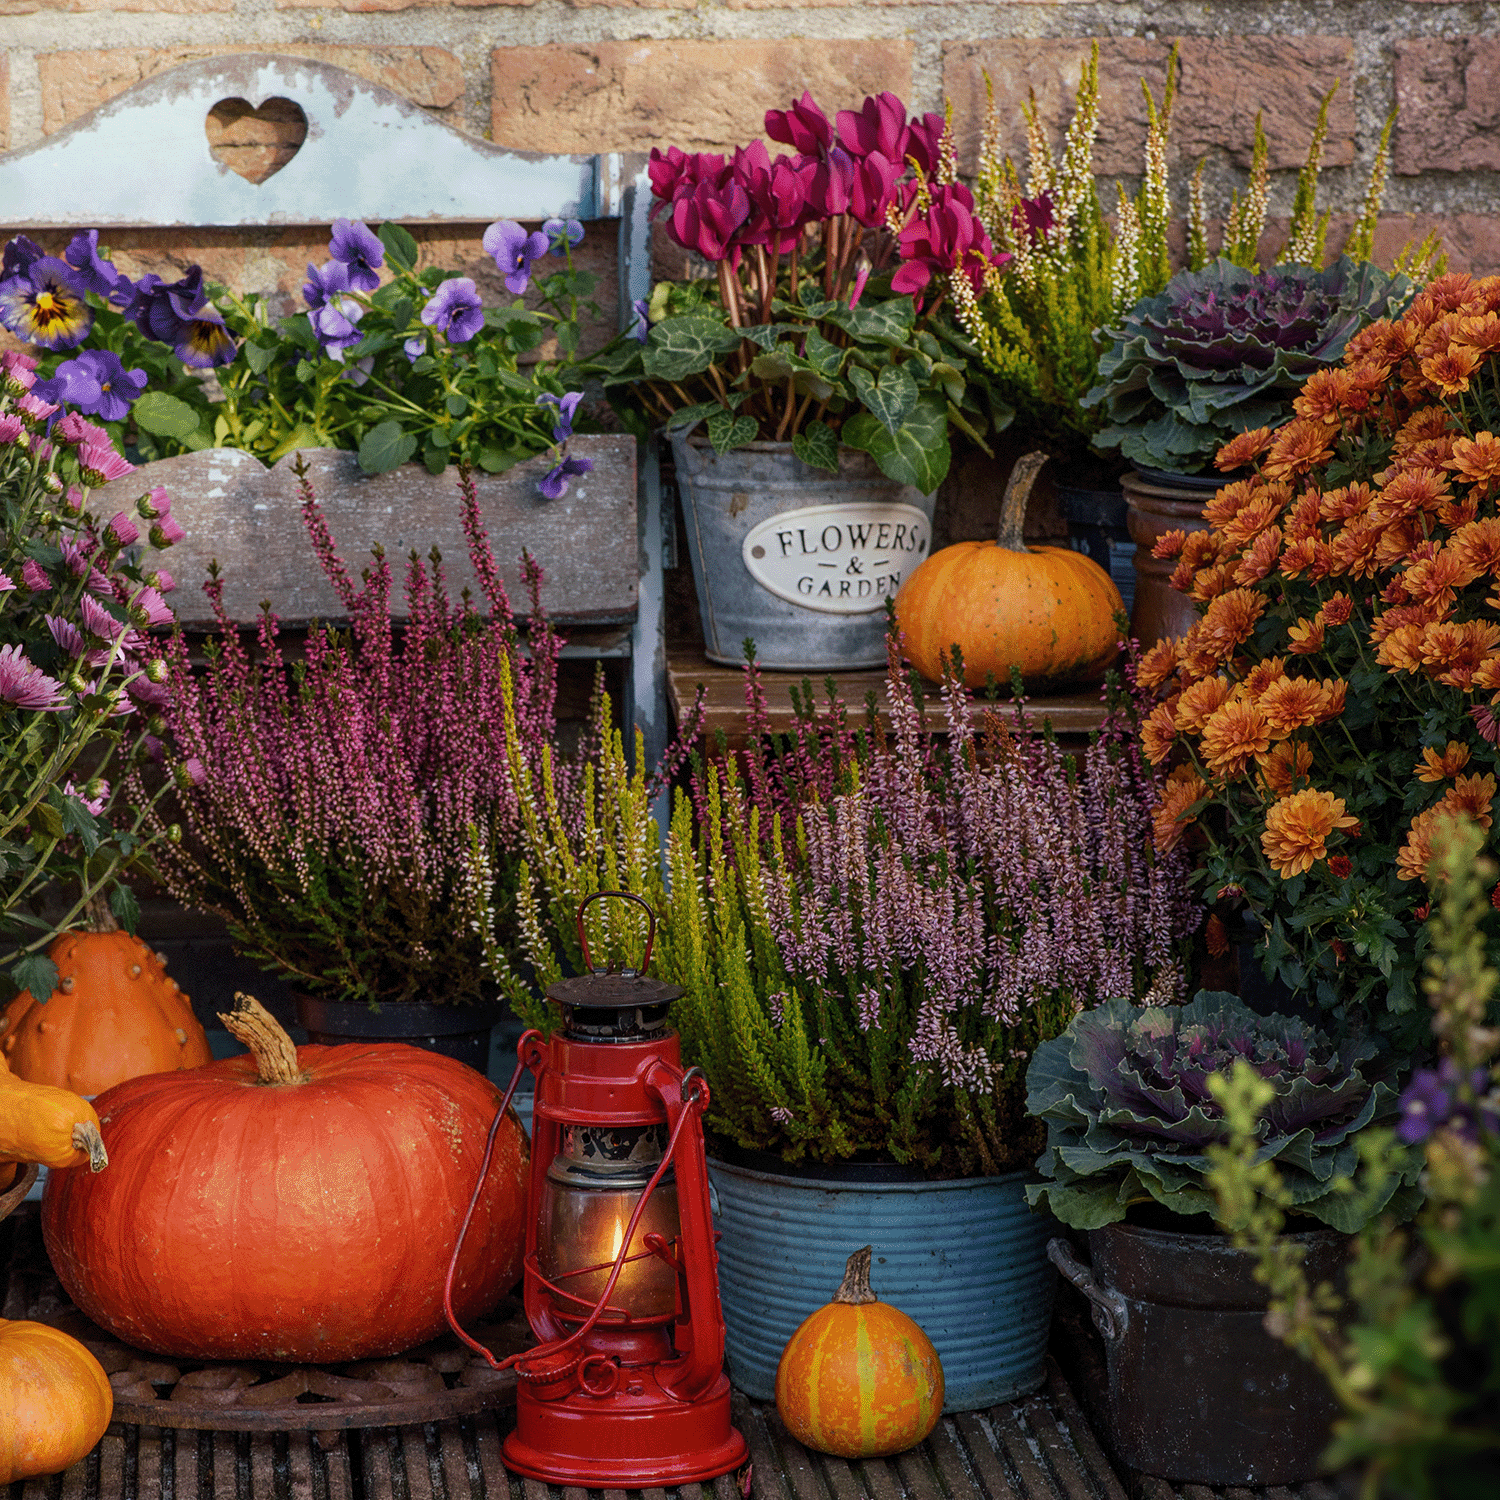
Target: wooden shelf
(1072, 716)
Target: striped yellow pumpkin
(859, 1378)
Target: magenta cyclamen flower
(924, 143)
(873, 189)
(358, 249)
(804, 127)
(23, 685)
(35, 580)
(455, 310)
(100, 464)
(514, 251)
(947, 240)
(879, 126)
(1035, 215)
(708, 219)
(554, 483)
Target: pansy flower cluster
(1338, 696)
(81, 678)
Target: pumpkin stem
(97, 917)
(275, 1052)
(86, 1137)
(854, 1289)
(1012, 535)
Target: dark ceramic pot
(461, 1032)
(1156, 504)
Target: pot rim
(842, 1185)
(1186, 1238)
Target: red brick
(1224, 81)
(700, 96)
(1449, 95)
(73, 83)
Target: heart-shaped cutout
(256, 143)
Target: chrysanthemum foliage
(1340, 691)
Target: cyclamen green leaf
(727, 431)
(385, 447)
(164, 415)
(917, 455)
(890, 398)
(889, 322)
(817, 446)
(680, 347)
(825, 357)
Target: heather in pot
(1127, 1094)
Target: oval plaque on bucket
(838, 559)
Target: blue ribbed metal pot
(966, 1259)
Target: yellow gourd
(47, 1125)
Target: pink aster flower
(162, 580)
(158, 503)
(76, 428)
(67, 635)
(34, 578)
(23, 685)
(122, 530)
(6, 583)
(166, 533)
(149, 608)
(74, 498)
(98, 621)
(34, 411)
(94, 804)
(17, 372)
(101, 464)
(11, 427)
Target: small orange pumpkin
(114, 1015)
(55, 1400)
(1045, 610)
(859, 1378)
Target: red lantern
(627, 1388)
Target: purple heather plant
(338, 809)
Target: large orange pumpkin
(114, 1015)
(1045, 610)
(859, 1378)
(296, 1204)
(55, 1400)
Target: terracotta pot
(1155, 505)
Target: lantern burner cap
(614, 1007)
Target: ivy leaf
(817, 446)
(37, 973)
(891, 398)
(726, 431)
(164, 415)
(385, 447)
(679, 347)
(399, 246)
(918, 454)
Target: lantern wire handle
(640, 901)
(693, 1100)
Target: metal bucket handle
(1109, 1307)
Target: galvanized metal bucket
(798, 560)
(966, 1259)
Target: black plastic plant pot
(1199, 1392)
(461, 1032)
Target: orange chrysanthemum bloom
(1323, 397)
(1401, 650)
(1200, 702)
(1294, 703)
(1414, 855)
(1242, 450)
(1424, 423)
(1215, 936)
(1435, 766)
(1305, 515)
(1338, 694)
(1183, 788)
(1230, 499)
(1439, 578)
(1456, 513)
(1270, 669)
(1310, 555)
(1443, 294)
(1481, 333)
(1158, 733)
(1228, 621)
(1297, 830)
(1399, 542)
(1345, 503)
(1471, 797)
(1306, 636)
(1449, 372)
(1382, 342)
(1157, 664)
(1285, 765)
(1336, 611)
(1487, 673)
(1478, 544)
(1390, 620)
(1209, 583)
(1411, 492)
(1168, 544)
(1248, 523)
(1448, 644)
(1200, 548)
(1233, 737)
(1476, 461)
(1297, 448)
(1261, 558)
(1352, 551)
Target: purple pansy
(514, 251)
(563, 234)
(564, 406)
(99, 275)
(414, 348)
(99, 385)
(554, 483)
(455, 310)
(1431, 1100)
(20, 255)
(324, 283)
(336, 326)
(360, 251)
(45, 305)
(642, 309)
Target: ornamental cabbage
(1124, 1093)
(1224, 350)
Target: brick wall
(588, 75)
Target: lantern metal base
(625, 1440)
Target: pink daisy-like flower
(166, 532)
(76, 429)
(100, 464)
(34, 578)
(94, 804)
(122, 529)
(149, 608)
(74, 498)
(163, 580)
(6, 583)
(154, 505)
(17, 372)
(11, 427)
(24, 685)
(67, 635)
(98, 621)
(33, 410)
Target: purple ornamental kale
(514, 251)
(360, 251)
(455, 310)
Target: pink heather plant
(351, 815)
